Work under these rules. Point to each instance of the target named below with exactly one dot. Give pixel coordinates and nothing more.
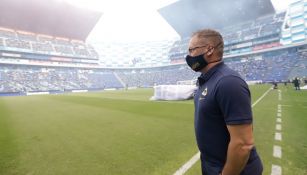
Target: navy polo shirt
(223, 98)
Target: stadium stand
(7, 33)
(267, 66)
(42, 47)
(134, 54)
(157, 76)
(34, 62)
(245, 37)
(46, 45)
(26, 36)
(32, 79)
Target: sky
(135, 20)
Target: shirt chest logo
(203, 94)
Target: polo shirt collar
(206, 76)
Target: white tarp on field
(173, 92)
(304, 87)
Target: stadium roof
(52, 17)
(187, 16)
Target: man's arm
(240, 145)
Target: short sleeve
(233, 98)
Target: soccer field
(122, 132)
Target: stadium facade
(269, 47)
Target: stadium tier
(33, 62)
(42, 44)
(36, 79)
(279, 65)
(156, 76)
(134, 54)
(245, 37)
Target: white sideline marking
(279, 94)
(188, 165)
(184, 168)
(260, 98)
(278, 127)
(278, 136)
(276, 170)
(277, 151)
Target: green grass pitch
(123, 133)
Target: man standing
(296, 83)
(223, 115)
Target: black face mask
(196, 63)
(199, 62)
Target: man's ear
(210, 51)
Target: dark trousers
(254, 167)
